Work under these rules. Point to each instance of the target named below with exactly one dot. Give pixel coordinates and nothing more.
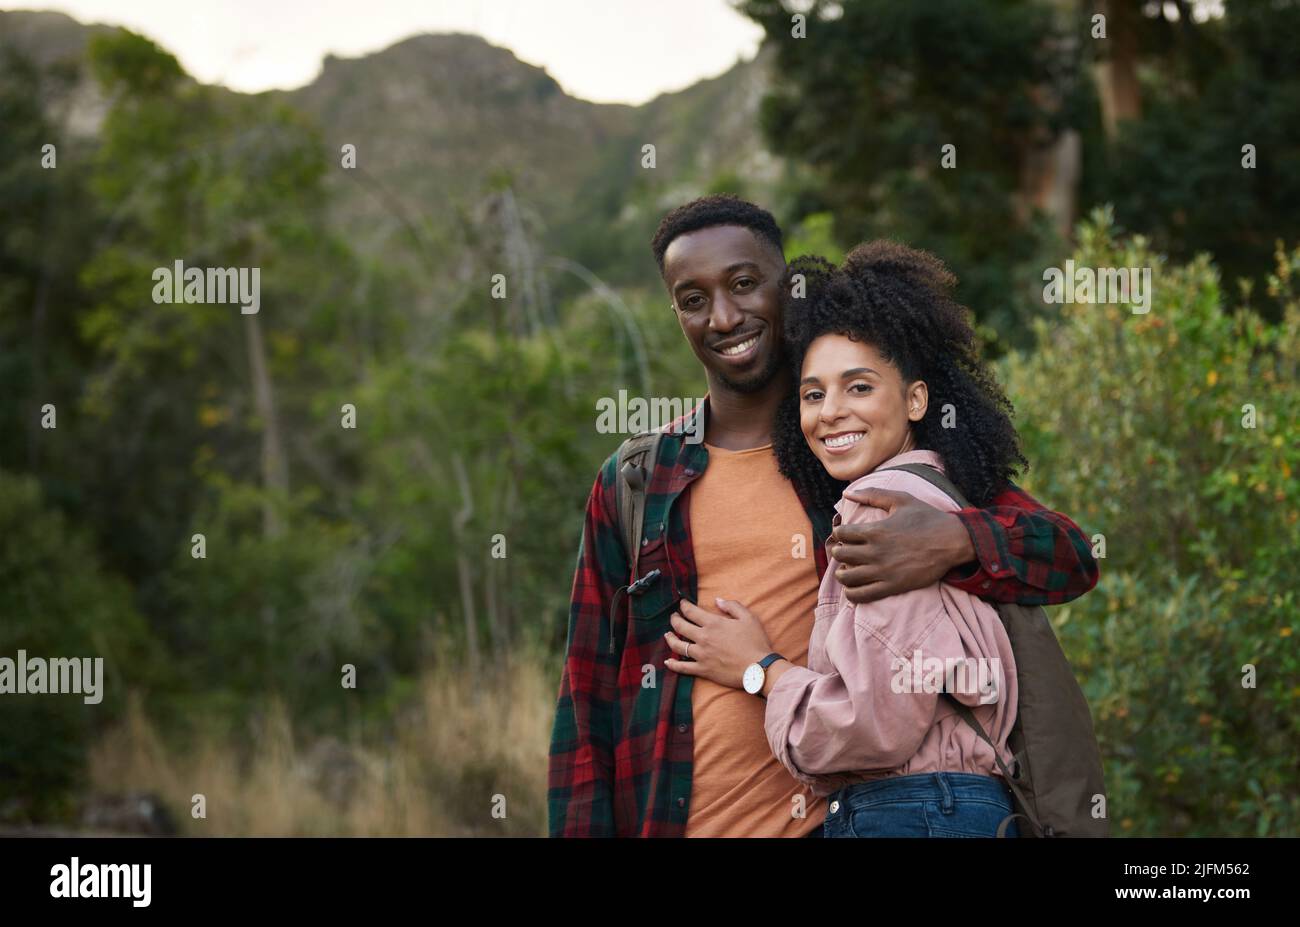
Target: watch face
(754, 679)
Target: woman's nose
(831, 408)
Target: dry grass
(465, 740)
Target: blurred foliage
(373, 546)
(869, 101)
(57, 601)
(814, 235)
(1170, 437)
(1176, 173)
(864, 105)
(473, 422)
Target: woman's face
(854, 408)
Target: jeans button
(835, 806)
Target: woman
(887, 374)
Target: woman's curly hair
(899, 300)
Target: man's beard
(759, 381)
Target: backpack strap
(635, 465)
(964, 712)
(935, 478)
(634, 479)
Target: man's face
(725, 285)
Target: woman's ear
(918, 400)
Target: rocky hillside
(442, 121)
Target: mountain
(443, 124)
(55, 46)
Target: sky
(607, 51)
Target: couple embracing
(753, 661)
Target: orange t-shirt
(744, 518)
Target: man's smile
(739, 349)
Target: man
(639, 750)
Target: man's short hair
(709, 211)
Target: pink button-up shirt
(868, 704)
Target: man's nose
(725, 315)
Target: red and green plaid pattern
(622, 743)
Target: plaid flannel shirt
(622, 743)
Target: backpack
(1057, 761)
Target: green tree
(877, 89)
(1180, 174)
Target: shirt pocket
(653, 603)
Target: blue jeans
(942, 804)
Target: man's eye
(693, 302)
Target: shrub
(1140, 426)
(57, 601)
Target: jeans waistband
(936, 786)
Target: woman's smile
(841, 442)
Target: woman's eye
(812, 395)
(861, 387)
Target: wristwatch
(756, 673)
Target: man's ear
(918, 400)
